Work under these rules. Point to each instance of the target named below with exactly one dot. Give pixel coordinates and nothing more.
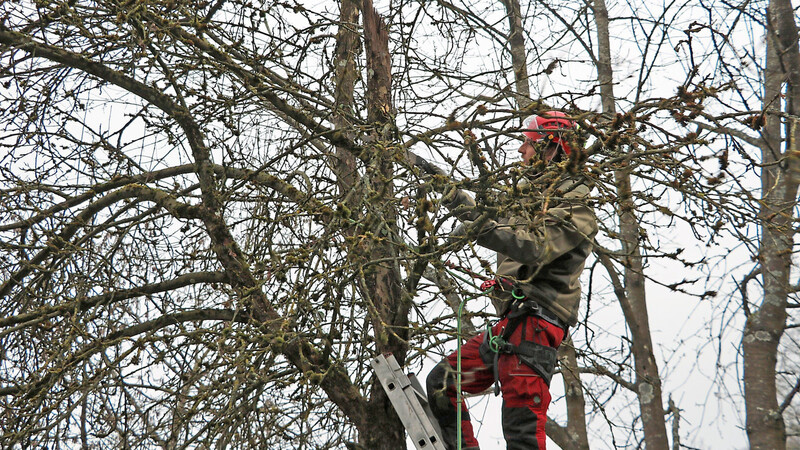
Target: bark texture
(380, 282)
(519, 60)
(765, 325)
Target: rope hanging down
(459, 313)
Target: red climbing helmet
(550, 120)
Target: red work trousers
(526, 396)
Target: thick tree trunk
(348, 46)
(379, 285)
(383, 279)
(765, 326)
(380, 282)
(648, 382)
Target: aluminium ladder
(410, 403)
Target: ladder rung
(409, 401)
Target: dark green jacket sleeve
(544, 250)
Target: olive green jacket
(542, 250)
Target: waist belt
(541, 358)
(524, 306)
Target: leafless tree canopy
(209, 222)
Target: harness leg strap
(541, 358)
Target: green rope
(459, 400)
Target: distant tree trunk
(765, 325)
(519, 61)
(648, 382)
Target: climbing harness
(542, 359)
(407, 395)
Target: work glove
(460, 203)
(467, 229)
(452, 197)
(464, 230)
(425, 166)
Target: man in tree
(541, 250)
